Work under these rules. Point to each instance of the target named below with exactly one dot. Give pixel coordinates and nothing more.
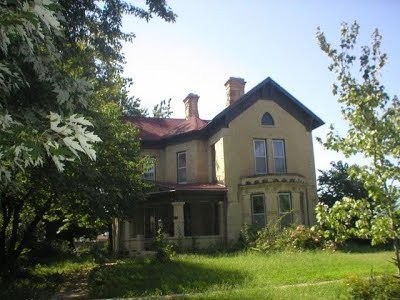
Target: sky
(214, 40)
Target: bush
(382, 287)
(301, 238)
(164, 251)
(248, 236)
(267, 238)
(272, 238)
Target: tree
(373, 119)
(37, 98)
(336, 183)
(162, 110)
(84, 42)
(131, 107)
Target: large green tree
(59, 63)
(373, 118)
(336, 183)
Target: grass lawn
(303, 275)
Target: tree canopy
(373, 118)
(60, 80)
(336, 183)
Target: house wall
(196, 161)
(239, 156)
(234, 159)
(217, 141)
(159, 156)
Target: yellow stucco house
(252, 163)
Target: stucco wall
(218, 141)
(239, 155)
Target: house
(252, 163)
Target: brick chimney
(234, 89)
(191, 109)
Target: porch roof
(172, 186)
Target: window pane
(181, 160)
(278, 148)
(284, 203)
(279, 165)
(182, 175)
(267, 119)
(258, 204)
(258, 207)
(259, 148)
(261, 165)
(259, 220)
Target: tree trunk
(110, 240)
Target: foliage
(50, 49)
(375, 287)
(131, 107)
(301, 238)
(46, 279)
(162, 110)
(295, 238)
(336, 183)
(164, 250)
(37, 98)
(373, 119)
(347, 218)
(248, 235)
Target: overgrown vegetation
(61, 75)
(164, 251)
(248, 275)
(374, 287)
(273, 238)
(373, 119)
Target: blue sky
(213, 40)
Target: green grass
(239, 276)
(44, 280)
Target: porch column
(115, 235)
(126, 230)
(221, 218)
(179, 221)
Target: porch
(192, 216)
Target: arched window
(267, 119)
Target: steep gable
(267, 90)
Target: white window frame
(276, 157)
(290, 211)
(178, 180)
(258, 214)
(265, 156)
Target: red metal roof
(157, 128)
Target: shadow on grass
(145, 278)
(364, 246)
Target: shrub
(248, 236)
(382, 287)
(301, 237)
(267, 238)
(271, 238)
(164, 251)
